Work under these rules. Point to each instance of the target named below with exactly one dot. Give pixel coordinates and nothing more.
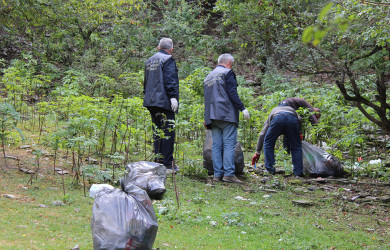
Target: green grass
(209, 217)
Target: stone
(342, 180)
(270, 190)
(249, 190)
(208, 161)
(25, 146)
(355, 197)
(62, 172)
(363, 195)
(91, 160)
(26, 171)
(319, 180)
(385, 198)
(312, 188)
(303, 202)
(76, 247)
(240, 198)
(58, 203)
(325, 188)
(11, 157)
(43, 205)
(9, 196)
(299, 189)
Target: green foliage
(9, 118)
(194, 169)
(82, 79)
(95, 175)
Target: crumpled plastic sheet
(123, 219)
(319, 163)
(149, 176)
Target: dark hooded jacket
(161, 82)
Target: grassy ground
(219, 216)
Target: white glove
(174, 104)
(245, 112)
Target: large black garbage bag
(149, 176)
(208, 159)
(123, 219)
(319, 163)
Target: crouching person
(283, 120)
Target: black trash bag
(208, 159)
(149, 176)
(123, 219)
(319, 163)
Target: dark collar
(163, 51)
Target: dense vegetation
(72, 72)
(71, 80)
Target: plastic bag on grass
(123, 219)
(317, 162)
(95, 188)
(149, 176)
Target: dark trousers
(163, 135)
(283, 124)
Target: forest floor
(265, 212)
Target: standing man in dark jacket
(161, 89)
(282, 120)
(222, 107)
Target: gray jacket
(217, 104)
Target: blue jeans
(286, 124)
(224, 144)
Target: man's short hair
(225, 58)
(165, 43)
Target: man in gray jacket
(161, 89)
(222, 107)
(282, 120)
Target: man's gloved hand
(245, 112)
(301, 136)
(174, 104)
(255, 158)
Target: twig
(375, 3)
(174, 182)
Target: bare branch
(376, 49)
(375, 3)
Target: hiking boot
(217, 179)
(231, 179)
